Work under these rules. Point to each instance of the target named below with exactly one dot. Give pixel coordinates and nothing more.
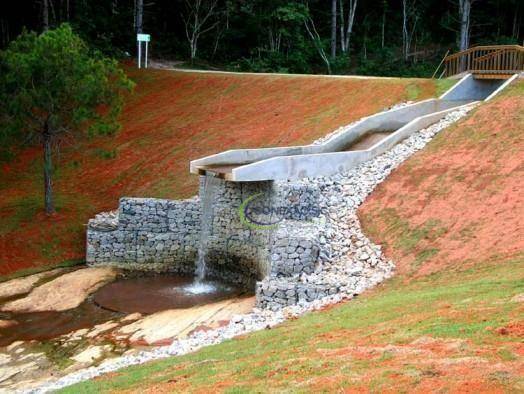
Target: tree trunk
(315, 37)
(514, 31)
(346, 28)
(341, 25)
(351, 20)
(48, 169)
(405, 40)
(464, 12)
(382, 41)
(45, 15)
(4, 25)
(193, 45)
(139, 15)
(333, 28)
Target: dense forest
(380, 37)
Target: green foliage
(106, 154)
(281, 43)
(269, 35)
(388, 62)
(53, 86)
(54, 79)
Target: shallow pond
(144, 294)
(157, 293)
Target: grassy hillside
(450, 321)
(448, 332)
(171, 119)
(461, 200)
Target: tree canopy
(52, 87)
(381, 37)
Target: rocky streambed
(63, 320)
(349, 264)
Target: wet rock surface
(39, 347)
(65, 292)
(15, 287)
(179, 323)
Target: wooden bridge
(486, 62)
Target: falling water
(207, 197)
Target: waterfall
(207, 198)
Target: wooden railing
(495, 59)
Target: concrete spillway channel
(362, 141)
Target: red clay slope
(460, 201)
(171, 119)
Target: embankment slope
(461, 200)
(450, 321)
(171, 118)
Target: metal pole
(145, 65)
(139, 53)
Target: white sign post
(142, 38)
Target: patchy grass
(413, 92)
(394, 338)
(443, 85)
(173, 117)
(58, 353)
(459, 200)
(451, 219)
(42, 268)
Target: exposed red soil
(170, 119)
(456, 204)
(515, 329)
(460, 200)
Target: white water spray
(207, 198)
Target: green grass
(443, 85)
(37, 270)
(394, 314)
(413, 91)
(408, 238)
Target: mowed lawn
(171, 118)
(451, 320)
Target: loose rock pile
(105, 221)
(348, 261)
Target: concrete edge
(455, 86)
(343, 160)
(501, 87)
(258, 154)
(359, 77)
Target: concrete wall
(469, 88)
(289, 163)
(326, 164)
